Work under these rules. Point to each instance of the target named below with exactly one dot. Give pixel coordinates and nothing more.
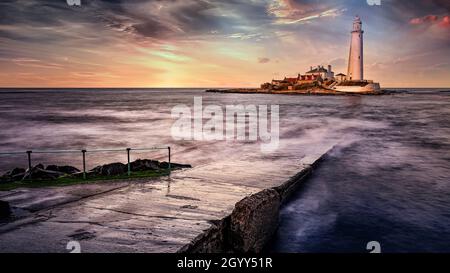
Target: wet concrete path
(159, 215)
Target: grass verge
(68, 180)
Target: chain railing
(84, 152)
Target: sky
(217, 43)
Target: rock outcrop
(165, 165)
(5, 210)
(15, 174)
(144, 165)
(38, 172)
(62, 169)
(138, 165)
(111, 169)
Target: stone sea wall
(252, 223)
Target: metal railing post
(170, 167)
(29, 163)
(128, 157)
(84, 163)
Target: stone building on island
(326, 74)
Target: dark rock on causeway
(5, 210)
(144, 165)
(62, 169)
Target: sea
(386, 182)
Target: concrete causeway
(159, 215)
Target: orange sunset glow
(216, 43)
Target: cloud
(326, 13)
(432, 20)
(183, 19)
(425, 19)
(153, 19)
(36, 63)
(132, 39)
(248, 36)
(338, 61)
(445, 22)
(300, 11)
(263, 60)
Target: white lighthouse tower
(355, 82)
(355, 61)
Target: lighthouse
(355, 61)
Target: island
(322, 80)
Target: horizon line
(124, 87)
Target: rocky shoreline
(315, 91)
